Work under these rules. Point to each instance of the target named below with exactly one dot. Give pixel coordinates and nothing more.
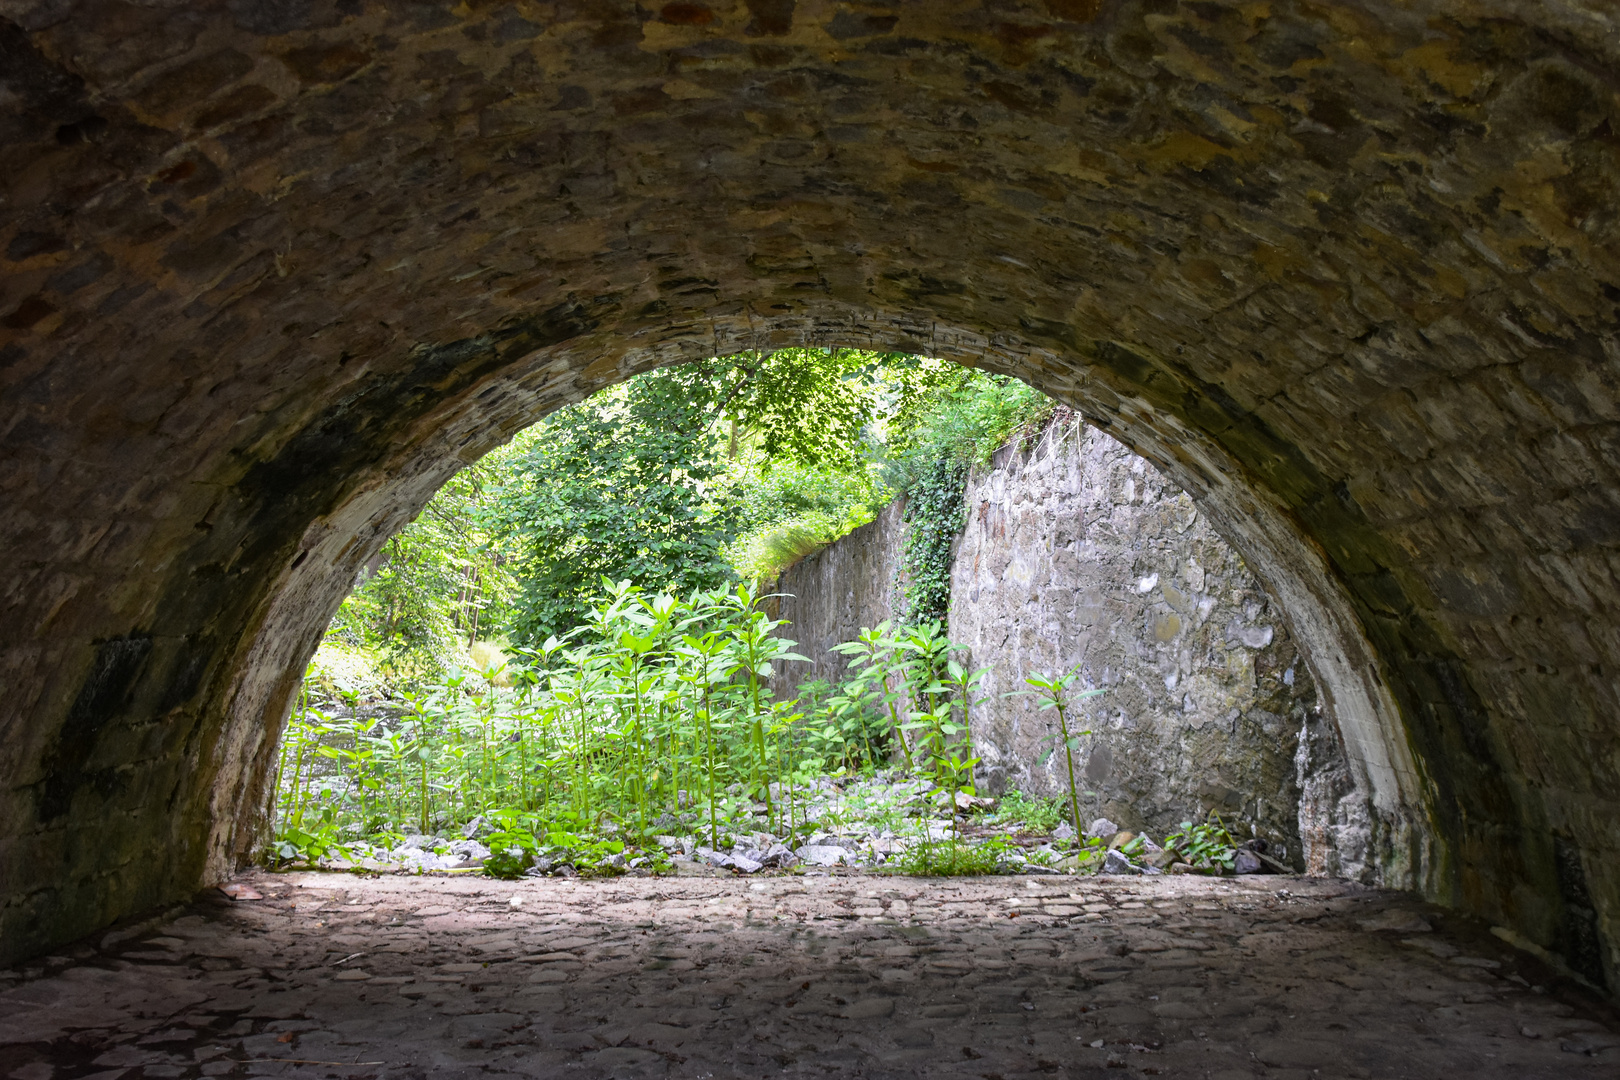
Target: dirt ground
(335, 975)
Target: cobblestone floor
(341, 976)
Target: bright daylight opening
(810, 608)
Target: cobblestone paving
(341, 976)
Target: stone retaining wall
(830, 596)
(1078, 552)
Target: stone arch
(1347, 274)
(1321, 613)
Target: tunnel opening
(586, 653)
(327, 556)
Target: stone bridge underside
(273, 269)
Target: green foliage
(763, 555)
(1133, 849)
(809, 405)
(963, 415)
(307, 840)
(308, 827)
(845, 729)
(434, 587)
(946, 420)
(590, 855)
(935, 513)
(791, 510)
(1037, 814)
(785, 490)
(654, 480)
(952, 858)
(690, 477)
(656, 716)
(877, 682)
(1056, 692)
(655, 710)
(628, 484)
(651, 480)
(509, 863)
(1207, 846)
(942, 693)
(1089, 853)
(906, 676)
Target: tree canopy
(686, 478)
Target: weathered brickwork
(1347, 273)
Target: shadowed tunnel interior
(1349, 273)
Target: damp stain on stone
(106, 692)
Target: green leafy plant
(656, 709)
(952, 858)
(591, 856)
(1133, 849)
(308, 840)
(512, 828)
(1206, 846)
(946, 420)
(1056, 692)
(1037, 814)
(951, 709)
(936, 515)
(1088, 853)
(876, 680)
(509, 865)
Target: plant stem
(1068, 755)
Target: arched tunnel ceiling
(272, 267)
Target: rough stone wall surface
(1335, 822)
(1078, 553)
(829, 597)
(1347, 273)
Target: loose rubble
(868, 822)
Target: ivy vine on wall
(946, 420)
(934, 512)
